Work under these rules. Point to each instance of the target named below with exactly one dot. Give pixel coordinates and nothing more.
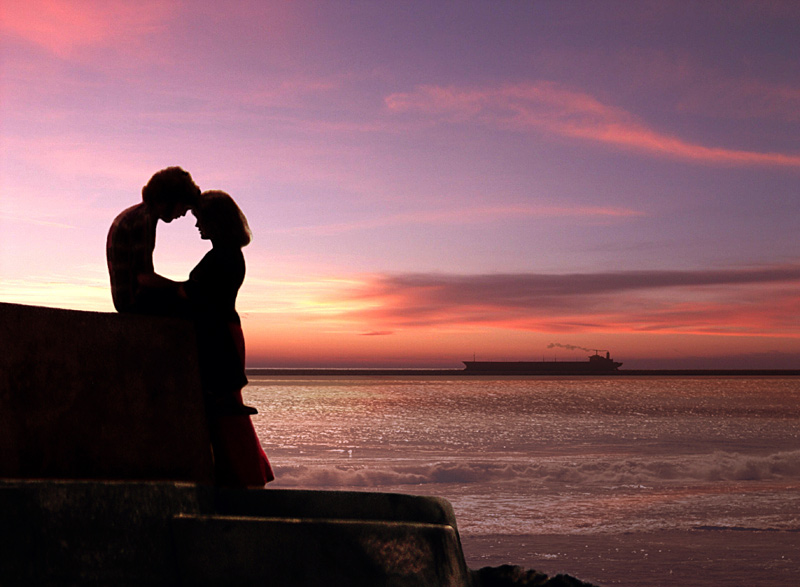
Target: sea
(658, 480)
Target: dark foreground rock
(516, 576)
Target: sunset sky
(426, 180)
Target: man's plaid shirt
(129, 252)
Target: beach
(701, 558)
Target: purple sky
(449, 178)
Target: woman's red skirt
(239, 460)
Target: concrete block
(97, 395)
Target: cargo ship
(596, 365)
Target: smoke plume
(571, 347)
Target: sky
(426, 181)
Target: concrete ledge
(342, 505)
(216, 550)
(95, 395)
(138, 533)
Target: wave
(607, 471)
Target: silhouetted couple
(208, 298)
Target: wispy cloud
(471, 215)
(35, 221)
(549, 107)
(747, 301)
(741, 99)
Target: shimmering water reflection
(537, 455)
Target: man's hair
(224, 219)
(172, 185)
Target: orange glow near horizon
(368, 322)
(305, 345)
(437, 320)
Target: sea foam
(586, 470)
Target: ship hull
(592, 367)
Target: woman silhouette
(211, 292)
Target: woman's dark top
(212, 288)
(214, 283)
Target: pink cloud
(62, 26)
(752, 301)
(548, 107)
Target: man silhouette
(135, 286)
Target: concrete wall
(94, 395)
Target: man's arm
(156, 281)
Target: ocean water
(558, 464)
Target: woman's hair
(171, 186)
(222, 218)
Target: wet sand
(699, 558)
